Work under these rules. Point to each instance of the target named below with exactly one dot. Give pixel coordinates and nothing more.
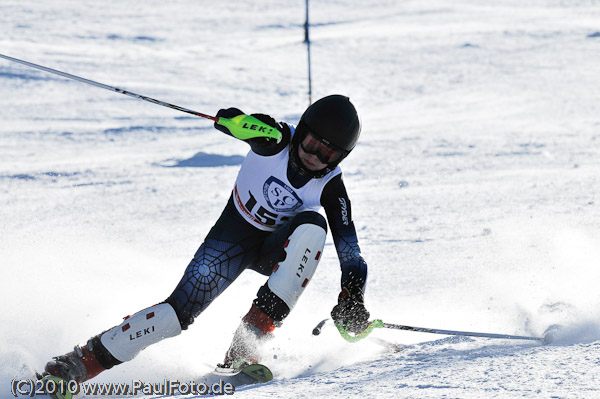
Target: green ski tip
(57, 387)
(258, 372)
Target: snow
(474, 186)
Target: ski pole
(242, 126)
(380, 324)
(461, 333)
(319, 327)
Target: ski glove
(227, 114)
(263, 141)
(350, 311)
(254, 142)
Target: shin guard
(303, 251)
(141, 330)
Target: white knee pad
(141, 330)
(303, 252)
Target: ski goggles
(327, 153)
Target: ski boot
(255, 329)
(79, 365)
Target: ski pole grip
(358, 337)
(318, 327)
(246, 127)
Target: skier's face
(316, 154)
(310, 161)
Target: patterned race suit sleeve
(337, 207)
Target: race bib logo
(280, 196)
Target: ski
(248, 375)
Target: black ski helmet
(335, 121)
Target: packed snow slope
(474, 185)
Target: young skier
(270, 225)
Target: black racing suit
(233, 245)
